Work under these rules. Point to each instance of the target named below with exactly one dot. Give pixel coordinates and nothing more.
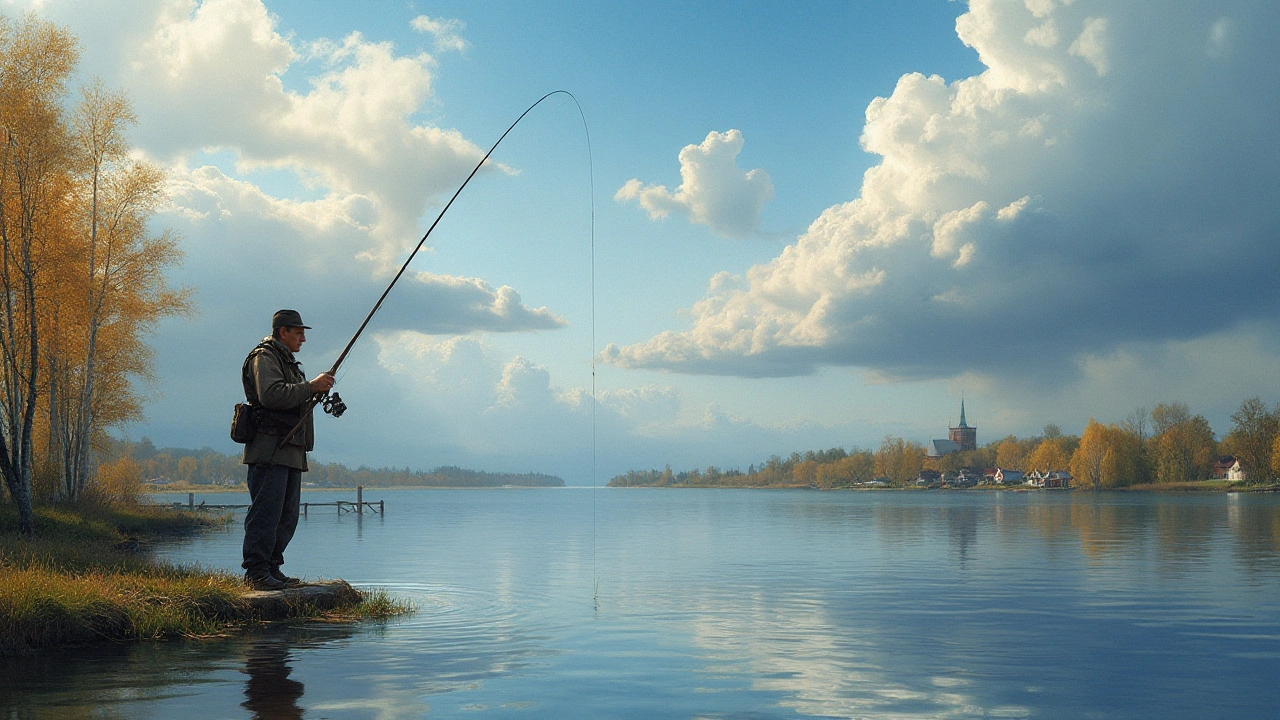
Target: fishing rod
(333, 403)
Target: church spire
(962, 413)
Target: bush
(119, 482)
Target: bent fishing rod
(333, 403)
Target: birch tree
(36, 60)
(120, 277)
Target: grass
(86, 577)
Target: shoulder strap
(250, 392)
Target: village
(964, 437)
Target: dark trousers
(274, 491)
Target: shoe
(288, 581)
(263, 581)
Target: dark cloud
(1099, 185)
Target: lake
(651, 603)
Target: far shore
(1204, 486)
(1209, 486)
(220, 489)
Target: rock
(277, 604)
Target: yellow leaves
(84, 275)
(1050, 454)
(119, 481)
(899, 460)
(1108, 456)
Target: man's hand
(322, 383)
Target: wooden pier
(360, 506)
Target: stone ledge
(321, 595)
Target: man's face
(293, 337)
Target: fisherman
(273, 380)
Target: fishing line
(320, 397)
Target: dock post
(380, 508)
(191, 501)
(360, 499)
(304, 509)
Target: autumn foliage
(81, 275)
(1166, 446)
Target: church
(959, 438)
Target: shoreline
(88, 577)
(1202, 486)
(1206, 486)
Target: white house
(1009, 477)
(1235, 472)
(1050, 479)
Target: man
(273, 381)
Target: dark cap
(287, 318)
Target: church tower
(963, 435)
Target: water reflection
(269, 692)
(736, 605)
(962, 529)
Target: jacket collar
(280, 347)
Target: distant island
(164, 469)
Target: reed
(87, 577)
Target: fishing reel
(333, 405)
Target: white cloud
(1092, 44)
(1076, 195)
(713, 191)
(446, 32)
(1219, 38)
(212, 76)
(225, 220)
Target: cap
(287, 318)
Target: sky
(809, 225)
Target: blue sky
(817, 224)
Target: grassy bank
(87, 577)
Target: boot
(288, 581)
(262, 580)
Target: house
(1236, 473)
(1004, 476)
(929, 478)
(961, 479)
(1051, 479)
(1227, 468)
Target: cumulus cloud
(298, 173)
(309, 257)
(1077, 195)
(462, 305)
(212, 76)
(446, 32)
(713, 191)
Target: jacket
(278, 384)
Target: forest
(1164, 446)
(160, 469)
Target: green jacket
(277, 380)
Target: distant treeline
(1168, 444)
(210, 467)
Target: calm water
(736, 604)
